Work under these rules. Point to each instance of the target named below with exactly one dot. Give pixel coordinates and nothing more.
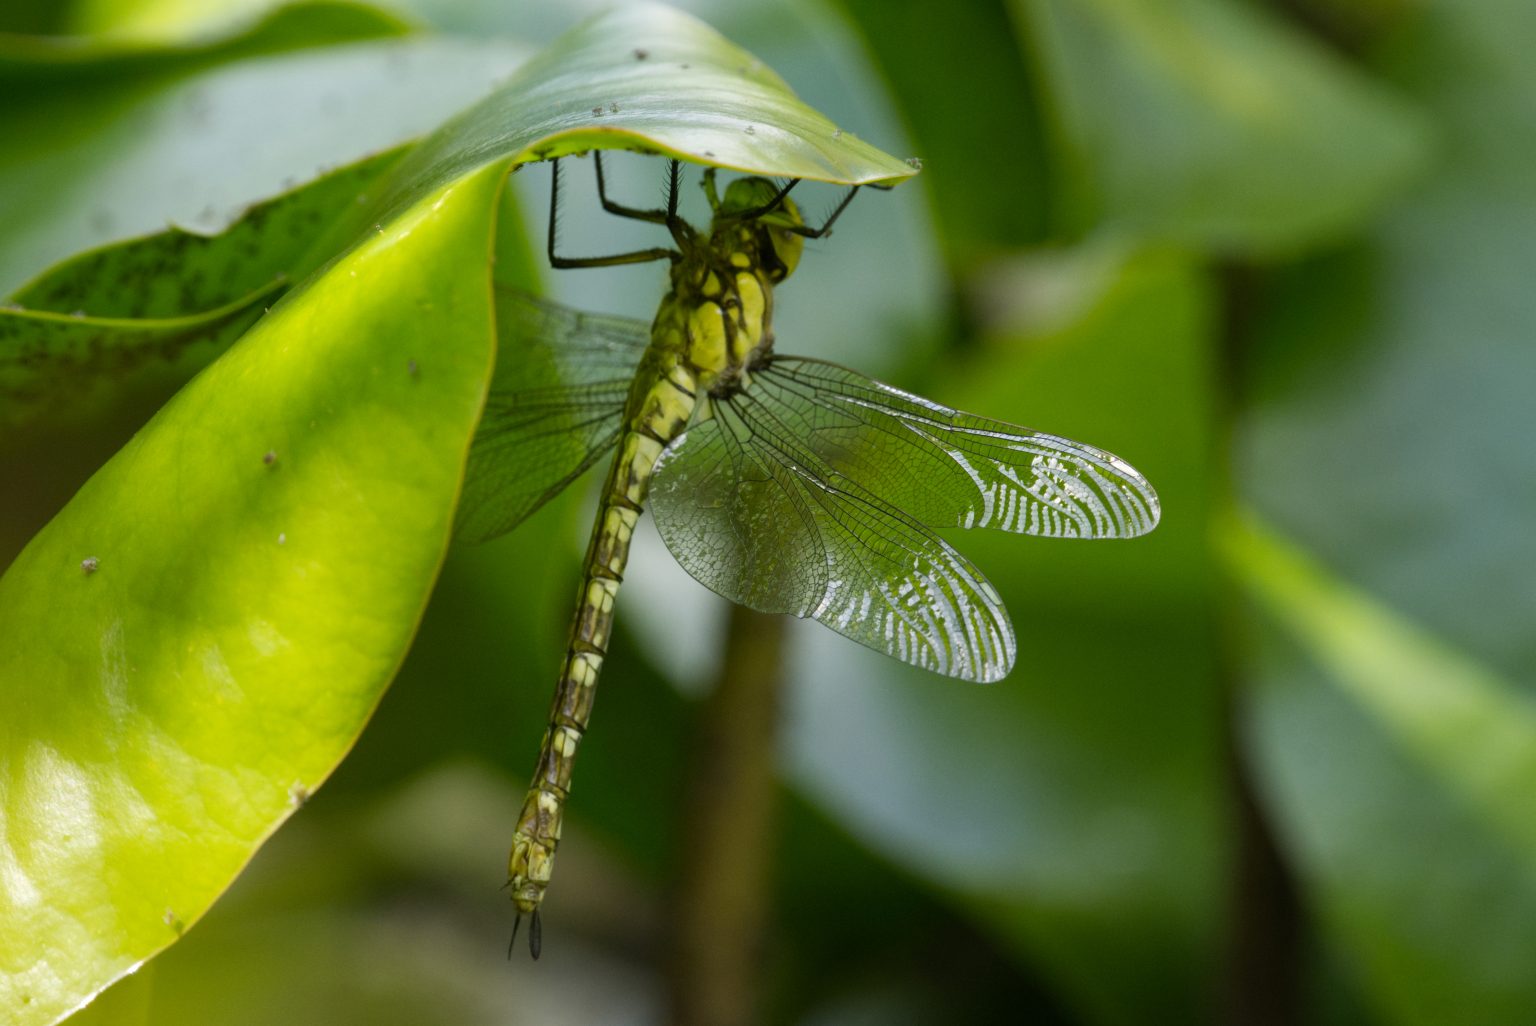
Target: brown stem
(1263, 980)
(721, 907)
(1263, 986)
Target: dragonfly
(785, 483)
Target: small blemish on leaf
(613, 108)
(751, 130)
(410, 367)
(269, 457)
(915, 163)
(837, 133)
(641, 55)
(709, 153)
(77, 313)
(685, 67)
(597, 112)
(298, 794)
(89, 565)
(174, 922)
(282, 539)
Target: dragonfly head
(777, 245)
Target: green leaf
(653, 79)
(1210, 122)
(168, 303)
(95, 155)
(196, 640)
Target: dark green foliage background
(1277, 254)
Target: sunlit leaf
(194, 642)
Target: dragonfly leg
(657, 216)
(826, 228)
(682, 231)
(639, 256)
(770, 206)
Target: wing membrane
(951, 469)
(753, 514)
(555, 406)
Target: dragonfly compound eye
(748, 194)
(778, 246)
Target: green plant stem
(723, 893)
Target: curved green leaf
(194, 642)
(95, 158)
(652, 79)
(108, 312)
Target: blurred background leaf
(1198, 120)
(1274, 253)
(1388, 435)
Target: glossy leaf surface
(198, 637)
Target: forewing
(555, 406)
(951, 469)
(736, 519)
(755, 516)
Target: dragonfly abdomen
(659, 407)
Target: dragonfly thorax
(717, 318)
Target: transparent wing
(754, 515)
(555, 406)
(951, 469)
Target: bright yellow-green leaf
(194, 642)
